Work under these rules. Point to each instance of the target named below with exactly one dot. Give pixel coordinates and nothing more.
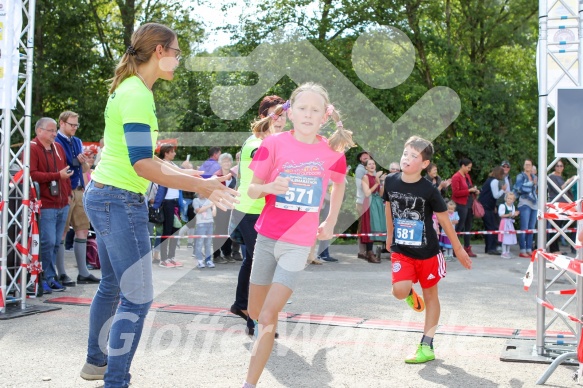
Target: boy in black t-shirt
(411, 202)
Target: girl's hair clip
(339, 124)
(286, 105)
(131, 50)
(330, 109)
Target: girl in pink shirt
(291, 170)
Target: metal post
(579, 307)
(16, 122)
(542, 169)
(26, 136)
(6, 129)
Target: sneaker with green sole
(415, 301)
(423, 354)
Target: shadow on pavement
(456, 377)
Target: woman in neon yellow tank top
(115, 204)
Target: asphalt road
(212, 350)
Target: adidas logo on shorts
(430, 276)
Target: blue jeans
(185, 203)
(51, 223)
(204, 229)
(120, 220)
(527, 221)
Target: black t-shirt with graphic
(412, 206)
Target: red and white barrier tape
(566, 263)
(560, 312)
(574, 266)
(563, 292)
(345, 235)
(34, 266)
(562, 211)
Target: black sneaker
(250, 329)
(56, 286)
(220, 260)
(87, 279)
(66, 281)
(329, 259)
(237, 311)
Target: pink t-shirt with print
(294, 217)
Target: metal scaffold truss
(559, 293)
(18, 38)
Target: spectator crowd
(62, 166)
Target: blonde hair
(509, 193)
(341, 138)
(144, 42)
(66, 115)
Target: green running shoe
(423, 354)
(415, 301)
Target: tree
(481, 49)
(69, 72)
(76, 55)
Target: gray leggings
(278, 262)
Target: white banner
(10, 30)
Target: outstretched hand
(222, 196)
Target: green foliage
(484, 50)
(69, 72)
(78, 44)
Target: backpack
(92, 254)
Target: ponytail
(263, 126)
(144, 42)
(341, 139)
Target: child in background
(205, 211)
(507, 213)
(444, 241)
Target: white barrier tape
(482, 232)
